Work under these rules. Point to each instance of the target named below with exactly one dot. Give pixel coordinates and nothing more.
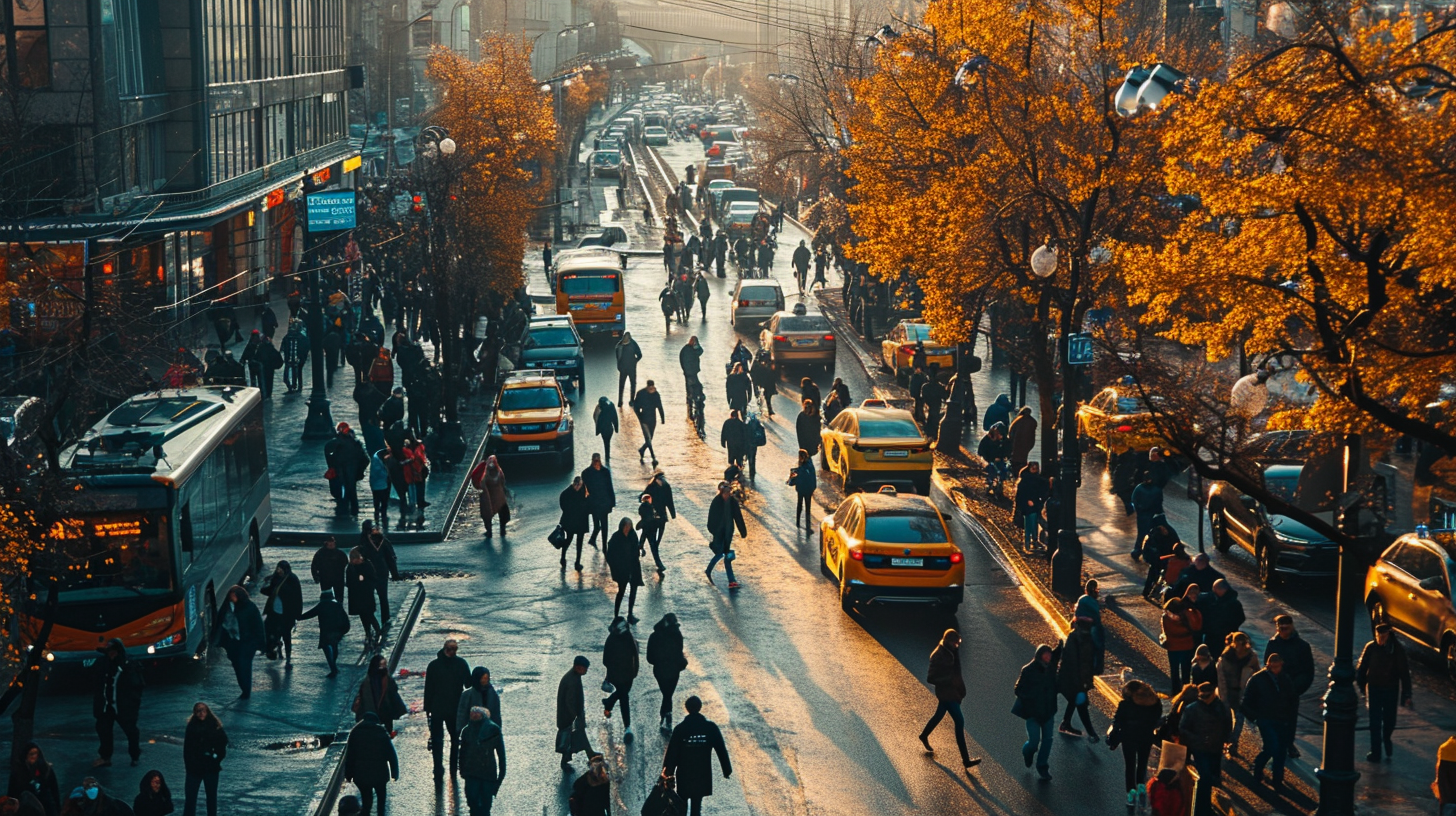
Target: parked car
(1118, 419)
(1409, 587)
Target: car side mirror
(1434, 584)
(1251, 503)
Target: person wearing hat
(370, 761)
(1383, 675)
(482, 760)
(571, 713)
(1204, 728)
(347, 463)
(117, 701)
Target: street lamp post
(438, 147)
(1337, 774)
(319, 423)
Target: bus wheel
(204, 623)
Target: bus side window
(184, 527)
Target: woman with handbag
(1134, 725)
(575, 518)
(624, 559)
(804, 481)
(378, 693)
(619, 658)
(203, 748)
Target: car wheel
(824, 556)
(204, 624)
(1218, 526)
(1448, 654)
(884, 366)
(846, 601)
(1269, 579)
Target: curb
(330, 794)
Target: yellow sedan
(875, 444)
(889, 548)
(897, 350)
(1117, 420)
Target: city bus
(589, 289)
(171, 509)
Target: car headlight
(177, 638)
(1290, 541)
(495, 428)
(564, 426)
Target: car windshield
(917, 331)
(887, 428)
(804, 323)
(550, 336)
(529, 399)
(905, 529)
(96, 557)
(758, 293)
(589, 285)
(606, 157)
(1283, 486)
(1131, 404)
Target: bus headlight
(177, 638)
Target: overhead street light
(1147, 86)
(970, 70)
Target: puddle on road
(304, 743)
(415, 575)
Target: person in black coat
(619, 658)
(690, 755)
(765, 379)
(345, 457)
(806, 427)
(446, 678)
(153, 797)
(241, 636)
(1133, 726)
(1032, 491)
(690, 359)
(666, 656)
(32, 774)
(1298, 665)
(281, 611)
(740, 388)
(370, 761)
(329, 564)
(945, 675)
(479, 693)
(1036, 695)
(601, 497)
(333, 625)
(380, 555)
(606, 424)
(360, 577)
(650, 522)
(647, 405)
(575, 517)
(1271, 700)
(1223, 614)
(661, 493)
(624, 560)
(1075, 674)
(734, 437)
(591, 793)
(117, 700)
(724, 514)
(204, 746)
(571, 713)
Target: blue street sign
(333, 210)
(1079, 349)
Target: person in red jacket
(1165, 795)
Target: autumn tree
(485, 193)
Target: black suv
(552, 341)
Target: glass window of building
(26, 45)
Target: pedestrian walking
(117, 701)
(1236, 666)
(1204, 729)
(153, 797)
(1032, 491)
(668, 302)
(546, 257)
(650, 522)
(623, 551)
(328, 566)
(333, 625)
(754, 437)
(800, 261)
(362, 594)
(370, 761)
(482, 761)
(689, 756)
(1181, 624)
(571, 713)
(1156, 548)
(994, 450)
(417, 473)
(1134, 724)
(1022, 435)
(1076, 671)
(1147, 503)
(619, 658)
(807, 427)
(950, 689)
(1223, 614)
(1383, 675)
(724, 514)
(379, 483)
(1298, 666)
(32, 775)
(575, 518)
(479, 693)
(204, 746)
(700, 288)
(1203, 670)
(281, 611)
(601, 497)
(837, 400)
(346, 463)
(241, 636)
(490, 480)
(1036, 703)
(1272, 702)
(647, 405)
(1089, 608)
(765, 380)
(605, 422)
(668, 660)
(660, 492)
(805, 481)
(690, 359)
(591, 793)
(447, 677)
(739, 388)
(379, 695)
(380, 554)
(627, 353)
(295, 355)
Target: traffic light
(418, 205)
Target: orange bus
(588, 287)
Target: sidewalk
(1393, 788)
(303, 510)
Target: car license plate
(528, 448)
(907, 562)
(809, 341)
(576, 307)
(897, 453)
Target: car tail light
(1124, 429)
(742, 303)
(956, 558)
(920, 450)
(779, 338)
(856, 555)
(829, 338)
(907, 348)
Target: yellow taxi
(887, 547)
(1117, 420)
(532, 418)
(898, 348)
(875, 444)
(1409, 587)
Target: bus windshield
(106, 556)
(589, 286)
